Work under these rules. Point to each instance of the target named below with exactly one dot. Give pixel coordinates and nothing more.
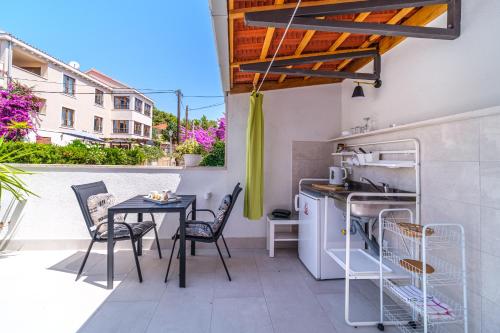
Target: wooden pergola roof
(248, 44)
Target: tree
(17, 110)
(162, 117)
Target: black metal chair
(122, 230)
(209, 232)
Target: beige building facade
(90, 105)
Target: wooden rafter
(231, 42)
(421, 18)
(302, 45)
(267, 42)
(360, 18)
(373, 38)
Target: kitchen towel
(254, 188)
(436, 310)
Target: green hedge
(216, 157)
(79, 153)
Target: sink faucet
(384, 185)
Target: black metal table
(138, 205)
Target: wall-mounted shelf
(391, 164)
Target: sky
(156, 44)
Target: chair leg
(223, 262)
(136, 260)
(170, 260)
(227, 249)
(84, 260)
(157, 242)
(139, 246)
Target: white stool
(281, 236)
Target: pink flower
(17, 109)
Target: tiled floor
(39, 294)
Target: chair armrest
(96, 228)
(201, 210)
(201, 223)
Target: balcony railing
(120, 130)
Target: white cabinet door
(309, 210)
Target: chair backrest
(234, 197)
(83, 193)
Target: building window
(99, 97)
(68, 85)
(138, 105)
(41, 108)
(67, 117)
(122, 102)
(97, 124)
(147, 130)
(147, 109)
(120, 126)
(137, 128)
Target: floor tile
(123, 317)
(242, 315)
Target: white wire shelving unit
(433, 296)
(358, 263)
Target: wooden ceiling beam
(267, 43)
(422, 17)
(373, 38)
(359, 18)
(240, 13)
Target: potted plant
(9, 175)
(191, 151)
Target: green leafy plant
(216, 157)
(190, 146)
(9, 175)
(79, 153)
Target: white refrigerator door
(309, 219)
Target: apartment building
(89, 105)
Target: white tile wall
(460, 183)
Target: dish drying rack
(433, 255)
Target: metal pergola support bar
(279, 66)
(305, 18)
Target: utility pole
(179, 96)
(187, 119)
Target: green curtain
(254, 189)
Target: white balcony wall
(311, 113)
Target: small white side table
(282, 236)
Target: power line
(107, 93)
(204, 96)
(206, 106)
(120, 90)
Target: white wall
(425, 78)
(303, 114)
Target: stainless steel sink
(373, 205)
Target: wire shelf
(434, 257)
(407, 322)
(444, 272)
(436, 237)
(453, 309)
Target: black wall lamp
(358, 90)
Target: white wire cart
(432, 296)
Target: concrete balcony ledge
(37, 168)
